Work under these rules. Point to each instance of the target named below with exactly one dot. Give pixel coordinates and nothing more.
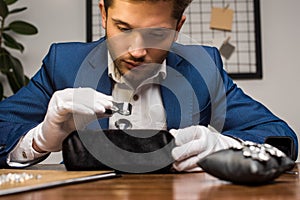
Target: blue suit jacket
(196, 91)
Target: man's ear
(179, 26)
(103, 13)
(180, 23)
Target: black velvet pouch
(284, 144)
(127, 151)
(251, 164)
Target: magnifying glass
(123, 108)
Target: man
(175, 87)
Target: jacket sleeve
(246, 118)
(26, 109)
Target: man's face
(139, 34)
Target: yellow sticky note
(221, 18)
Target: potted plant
(10, 66)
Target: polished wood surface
(168, 186)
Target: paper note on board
(221, 18)
(227, 49)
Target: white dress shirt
(147, 107)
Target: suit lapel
(93, 73)
(176, 93)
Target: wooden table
(167, 186)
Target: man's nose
(137, 47)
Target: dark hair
(179, 6)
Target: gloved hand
(69, 110)
(194, 143)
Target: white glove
(69, 110)
(194, 143)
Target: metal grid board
(244, 63)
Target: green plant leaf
(22, 27)
(10, 65)
(4, 60)
(17, 10)
(13, 82)
(12, 43)
(9, 2)
(1, 91)
(3, 9)
(27, 79)
(6, 29)
(15, 75)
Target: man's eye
(122, 29)
(158, 34)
